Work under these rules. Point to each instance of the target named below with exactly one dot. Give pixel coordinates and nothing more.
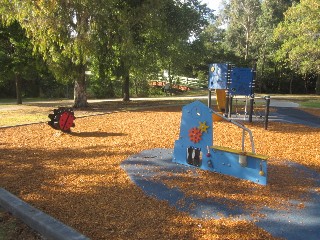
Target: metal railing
(244, 130)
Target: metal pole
(245, 108)
(226, 111)
(209, 98)
(254, 75)
(266, 116)
(243, 136)
(240, 126)
(230, 105)
(251, 108)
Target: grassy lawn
(23, 119)
(310, 103)
(11, 101)
(34, 110)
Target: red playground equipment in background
(62, 119)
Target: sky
(213, 4)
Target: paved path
(286, 111)
(295, 115)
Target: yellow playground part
(221, 99)
(217, 118)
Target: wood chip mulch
(77, 178)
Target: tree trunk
(290, 85)
(305, 83)
(262, 72)
(126, 88)
(136, 86)
(80, 93)
(279, 82)
(170, 79)
(126, 82)
(18, 88)
(318, 84)
(247, 46)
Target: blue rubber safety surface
(294, 223)
(295, 115)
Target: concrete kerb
(47, 226)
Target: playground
(78, 177)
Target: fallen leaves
(77, 177)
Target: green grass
(23, 119)
(7, 100)
(26, 100)
(310, 103)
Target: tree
(272, 13)
(17, 61)
(182, 47)
(299, 34)
(115, 35)
(60, 31)
(241, 17)
(155, 31)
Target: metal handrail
(243, 132)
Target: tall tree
(16, 59)
(299, 34)
(116, 34)
(272, 13)
(158, 29)
(183, 24)
(60, 31)
(241, 17)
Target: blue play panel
(218, 76)
(293, 223)
(241, 81)
(195, 147)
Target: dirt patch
(77, 177)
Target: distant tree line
(111, 48)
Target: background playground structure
(229, 81)
(232, 80)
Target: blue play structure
(195, 147)
(228, 82)
(236, 80)
(242, 82)
(218, 76)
